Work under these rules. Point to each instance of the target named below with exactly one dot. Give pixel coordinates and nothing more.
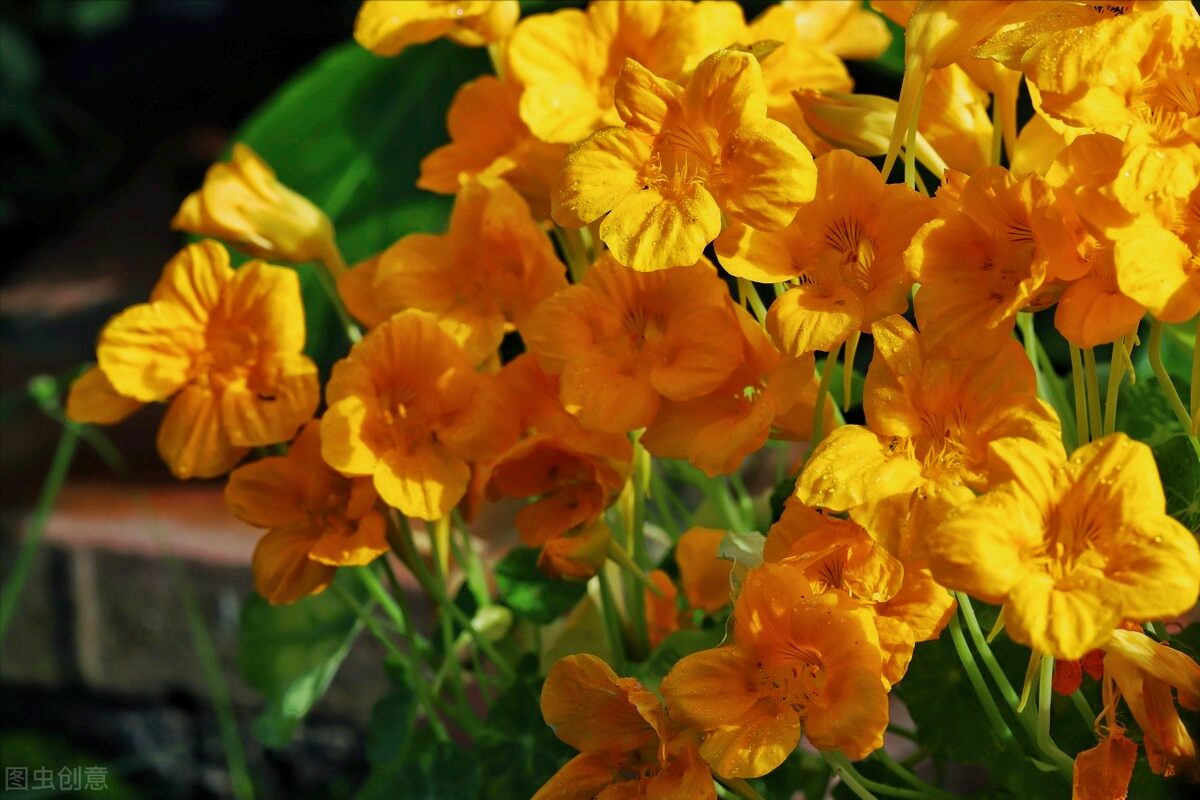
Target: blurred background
(110, 112)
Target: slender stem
(841, 767)
(1093, 394)
(818, 428)
(928, 790)
(997, 129)
(1116, 371)
(910, 145)
(848, 369)
(328, 282)
(635, 599)
(749, 295)
(574, 253)
(1081, 426)
(214, 677)
(1195, 388)
(612, 623)
(1003, 732)
(465, 553)
(739, 787)
(14, 585)
(1085, 710)
(985, 651)
(1166, 386)
(664, 499)
(863, 786)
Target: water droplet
(1158, 540)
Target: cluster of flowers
(638, 134)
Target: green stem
(218, 688)
(1116, 370)
(997, 131)
(570, 242)
(863, 786)
(1084, 708)
(14, 586)
(635, 599)
(848, 369)
(1095, 427)
(612, 623)
(818, 429)
(1166, 386)
(1001, 729)
(739, 787)
(400, 537)
(985, 650)
(749, 296)
(1081, 427)
(928, 790)
(667, 505)
(1051, 389)
(1195, 388)
(328, 283)
(841, 767)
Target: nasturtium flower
(686, 157)
(488, 139)
(93, 399)
(1145, 672)
(1093, 310)
(982, 262)
(842, 27)
(577, 554)
(224, 347)
(908, 606)
(568, 61)
(1103, 772)
(317, 519)
(767, 395)
(407, 408)
(628, 747)
(1071, 547)
(930, 419)
(663, 615)
(845, 253)
(386, 27)
(799, 659)
(703, 574)
(244, 203)
(621, 341)
(482, 278)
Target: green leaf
(1144, 414)
(671, 650)
(290, 653)
(948, 715)
(1179, 468)
(530, 593)
(520, 751)
(439, 771)
(391, 726)
(349, 132)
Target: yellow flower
(798, 659)
(686, 157)
(224, 347)
(482, 278)
(1071, 546)
(407, 408)
(568, 61)
(628, 746)
(318, 520)
(488, 138)
(841, 27)
(243, 202)
(845, 253)
(386, 27)
(93, 399)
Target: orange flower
(407, 408)
(1103, 772)
(767, 394)
(982, 262)
(930, 419)
(482, 278)
(704, 575)
(621, 341)
(832, 553)
(842, 27)
(243, 202)
(1070, 546)
(685, 157)
(386, 27)
(845, 252)
(628, 746)
(1145, 672)
(488, 138)
(799, 659)
(1093, 310)
(224, 347)
(568, 60)
(663, 616)
(578, 554)
(318, 520)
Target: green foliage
(1179, 468)
(529, 592)
(290, 653)
(673, 648)
(35, 750)
(1143, 411)
(520, 751)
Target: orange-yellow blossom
(317, 520)
(407, 408)
(844, 254)
(1071, 547)
(799, 659)
(224, 347)
(685, 158)
(622, 341)
(243, 202)
(386, 27)
(628, 747)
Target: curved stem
(927, 789)
(985, 651)
(1093, 394)
(999, 726)
(1166, 386)
(1081, 425)
(612, 623)
(818, 429)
